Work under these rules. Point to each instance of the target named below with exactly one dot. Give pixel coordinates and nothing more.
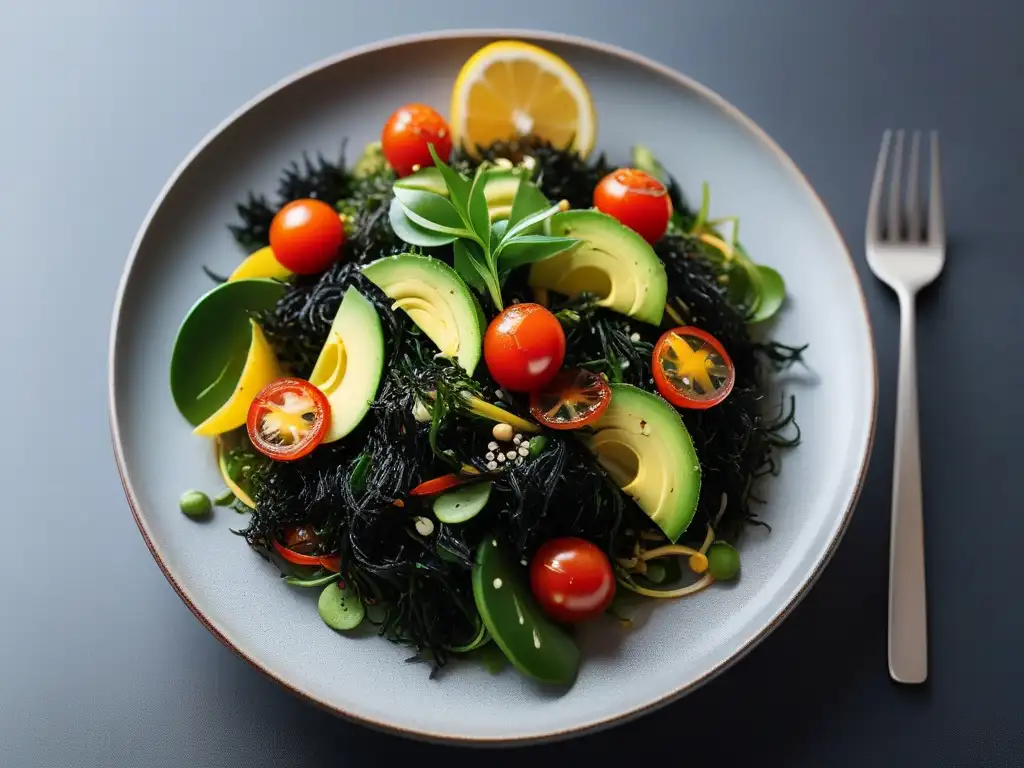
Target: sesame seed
(492, 446)
(524, 444)
(511, 454)
(492, 465)
(524, 451)
(517, 439)
(501, 457)
(489, 456)
(424, 526)
(634, 336)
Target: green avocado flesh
(349, 368)
(534, 644)
(437, 300)
(499, 191)
(613, 262)
(642, 443)
(213, 343)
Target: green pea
(340, 607)
(224, 498)
(656, 573)
(723, 561)
(537, 445)
(195, 504)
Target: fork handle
(908, 620)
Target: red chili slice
(435, 486)
(574, 398)
(692, 369)
(288, 418)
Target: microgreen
(485, 251)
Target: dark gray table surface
(102, 665)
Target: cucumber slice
(462, 504)
(534, 644)
(340, 607)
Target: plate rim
(535, 36)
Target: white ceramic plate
(698, 136)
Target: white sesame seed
(492, 446)
(625, 364)
(519, 461)
(517, 439)
(492, 465)
(634, 336)
(524, 451)
(424, 526)
(524, 444)
(510, 455)
(501, 457)
(497, 583)
(498, 394)
(489, 456)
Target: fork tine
(913, 199)
(936, 225)
(874, 230)
(893, 226)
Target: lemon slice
(510, 89)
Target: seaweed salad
(481, 384)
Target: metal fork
(907, 253)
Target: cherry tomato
(692, 368)
(306, 236)
(406, 136)
(572, 580)
(636, 199)
(524, 347)
(573, 399)
(288, 419)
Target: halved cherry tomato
(407, 134)
(692, 368)
(524, 347)
(572, 580)
(327, 562)
(306, 236)
(436, 486)
(288, 418)
(574, 398)
(636, 199)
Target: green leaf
(526, 249)
(520, 227)
(644, 160)
(431, 212)
(428, 179)
(772, 291)
(470, 267)
(458, 186)
(478, 216)
(528, 200)
(413, 233)
(498, 230)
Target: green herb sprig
(485, 252)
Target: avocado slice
(350, 364)
(437, 300)
(642, 443)
(613, 262)
(532, 642)
(499, 191)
